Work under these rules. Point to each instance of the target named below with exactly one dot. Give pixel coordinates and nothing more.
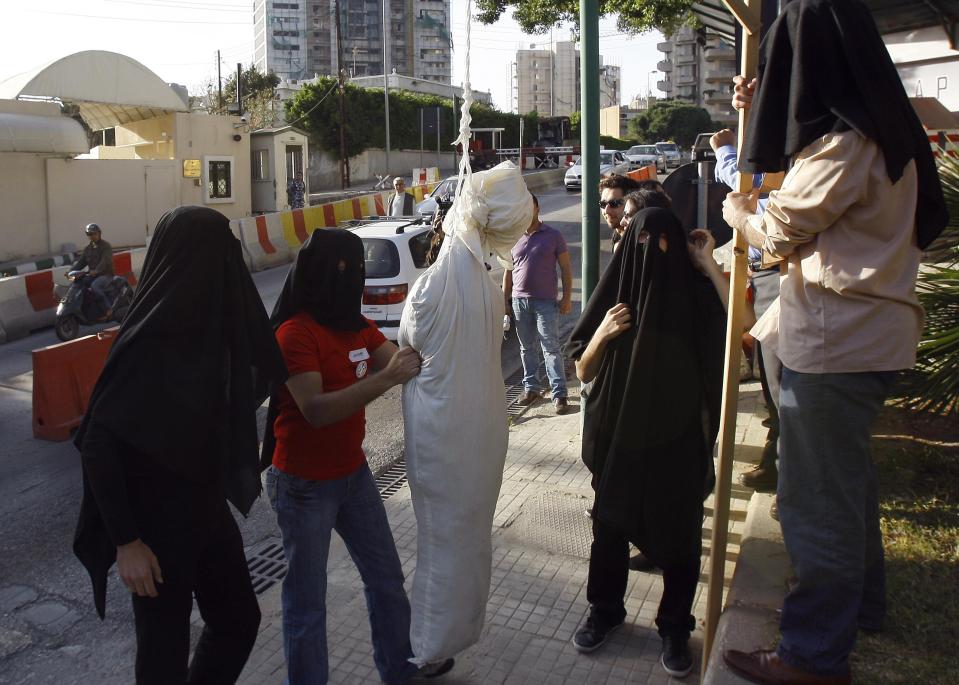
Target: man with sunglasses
(612, 201)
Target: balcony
(684, 57)
(719, 52)
(719, 96)
(719, 75)
(665, 46)
(685, 79)
(664, 86)
(664, 66)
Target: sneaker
(592, 635)
(562, 406)
(528, 398)
(434, 669)
(676, 659)
(761, 479)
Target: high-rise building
(296, 40)
(699, 67)
(548, 81)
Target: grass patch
(919, 507)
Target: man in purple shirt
(530, 289)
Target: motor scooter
(80, 306)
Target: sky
(178, 40)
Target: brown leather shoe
(528, 398)
(561, 405)
(765, 667)
(760, 479)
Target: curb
(750, 620)
(38, 265)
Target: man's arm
(508, 288)
(566, 274)
(321, 408)
(827, 179)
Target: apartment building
(698, 67)
(548, 80)
(297, 40)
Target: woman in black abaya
(168, 439)
(651, 338)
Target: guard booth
(277, 156)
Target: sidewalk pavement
(541, 540)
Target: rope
(465, 117)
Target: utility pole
(589, 140)
(387, 25)
(344, 160)
(552, 74)
(219, 83)
(239, 89)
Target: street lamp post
(386, 80)
(649, 92)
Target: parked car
(445, 187)
(644, 155)
(671, 151)
(395, 252)
(610, 162)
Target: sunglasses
(615, 204)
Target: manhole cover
(558, 523)
(392, 479)
(267, 566)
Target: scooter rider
(98, 258)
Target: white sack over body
(455, 412)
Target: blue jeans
(829, 510)
(101, 287)
(537, 327)
(308, 511)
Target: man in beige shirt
(859, 201)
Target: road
(49, 632)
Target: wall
(610, 122)
(113, 193)
(24, 217)
(199, 135)
(325, 171)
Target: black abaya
(175, 405)
(653, 413)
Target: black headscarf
(653, 412)
(332, 297)
(823, 67)
(178, 384)
(316, 285)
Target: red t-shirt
(342, 357)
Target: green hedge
(315, 108)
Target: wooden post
(747, 13)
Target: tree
(634, 16)
(257, 91)
(671, 120)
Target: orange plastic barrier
(645, 174)
(63, 378)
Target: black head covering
(823, 67)
(334, 298)
(653, 412)
(178, 383)
(316, 285)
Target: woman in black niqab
(169, 437)
(824, 68)
(652, 417)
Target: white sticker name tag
(359, 355)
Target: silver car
(671, 152)
(610, 162)
(427, 207)
(644, 155)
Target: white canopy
(109, 88)
(41, 134)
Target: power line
(140, 19)
(204, 7)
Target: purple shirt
(534, 263)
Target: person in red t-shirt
(319, 480)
